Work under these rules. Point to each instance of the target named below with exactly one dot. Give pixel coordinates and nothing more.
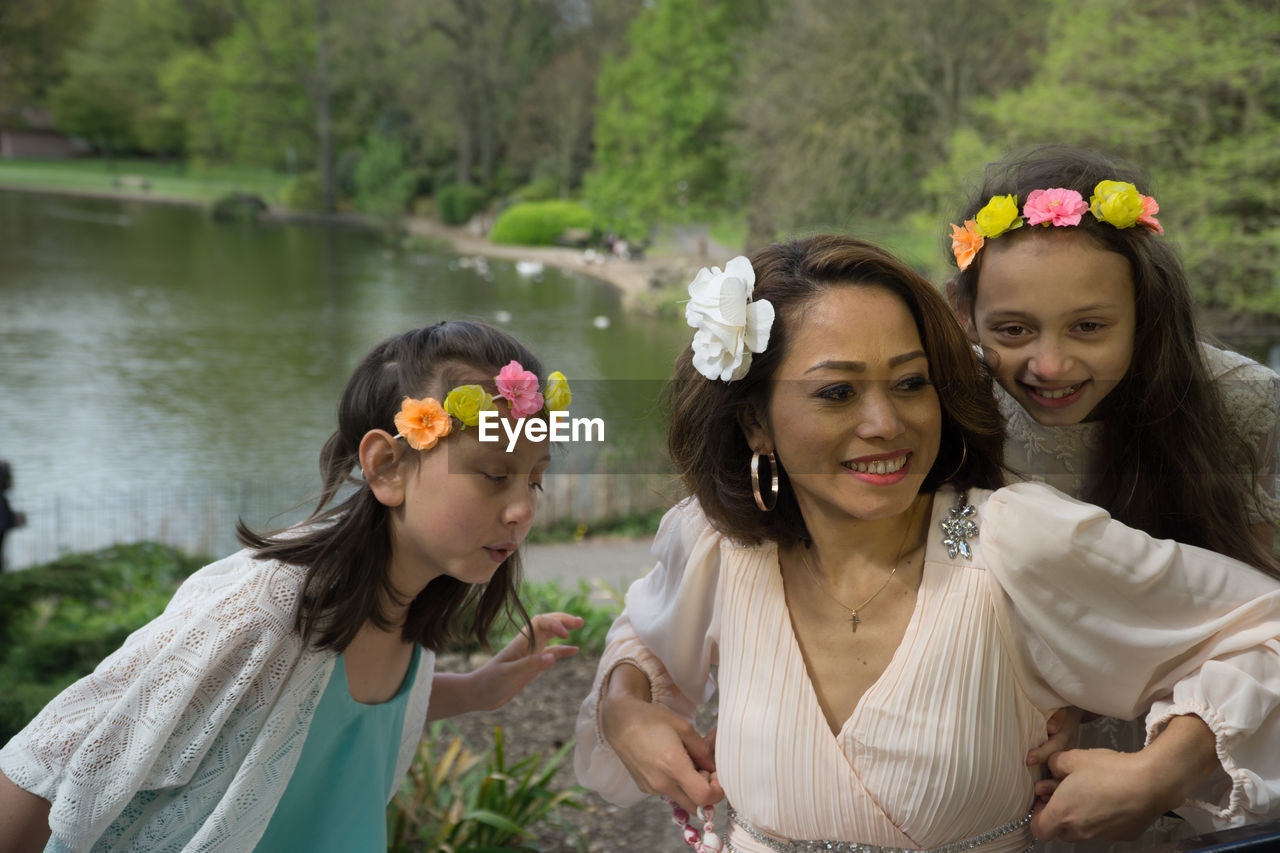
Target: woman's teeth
(883, 466)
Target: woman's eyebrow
(860, 366)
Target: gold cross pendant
(854, 620)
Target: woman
(890, 637)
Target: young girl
(1085, 316)
(279, 699)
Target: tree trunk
(322, 98)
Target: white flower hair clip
(730, 327)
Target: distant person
(9, 517)
(279, 699)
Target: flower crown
(421, 423)
(1116, 203)
(730, 327)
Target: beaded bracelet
(705, 841)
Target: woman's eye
(913, 383)
(836, 393)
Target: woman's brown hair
(346, 547)
(704, 436)
(1169, 462)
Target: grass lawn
(176, 180)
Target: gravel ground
(541, 718)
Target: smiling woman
(912, 730)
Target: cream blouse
(1040, 616)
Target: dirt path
(691, 250)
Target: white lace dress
(185, 738)
(1061, 456)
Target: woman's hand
(663, 752)
(506, 673)
(1100, 793)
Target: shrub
(303, 193)
(237, 207)
(57, 621)
(450, 801)
(539, 223)
(457, 203)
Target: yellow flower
(466, 402)
(1116, 202)
(557, 392)
(998, 216)
(422, 422)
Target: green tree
(35, 39)
(1191, 93)
(847, 104)
(664, 132)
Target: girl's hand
(1062, 730)
(663, 752)
(1099, 793)
(511, 669)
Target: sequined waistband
(792, 845)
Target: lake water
(161, 374)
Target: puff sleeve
(669, 629)
(1113, 621)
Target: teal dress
(336, 799)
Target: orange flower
(965, 242)
(422, 422)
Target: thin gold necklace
(853, 611)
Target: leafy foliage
(453, 803)
(664, 132)
(1189, 92)
(59, 620)
(539, 223)
(457, 203)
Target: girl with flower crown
(1085, 316)
(279, 699)
(888, 630)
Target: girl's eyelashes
(537, 487)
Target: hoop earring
(755, 480)
(964, 455)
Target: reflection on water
(149, 351)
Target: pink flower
(519, 387)
(1057, 206)
(1149, 211)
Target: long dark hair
(346, 547)
(708, 446)
(1167, 463)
